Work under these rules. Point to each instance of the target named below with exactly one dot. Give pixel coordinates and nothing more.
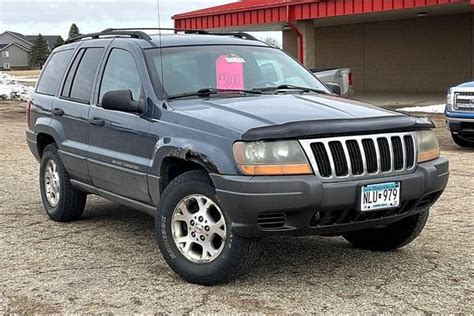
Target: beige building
(407, 46)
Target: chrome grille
(464, 101)
(362, 156)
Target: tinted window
(84, 75)
(121, 73)
(53, 72)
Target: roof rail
(109, 32)
(137, 32)
(242, 35)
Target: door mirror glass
(334, 87)
(122, 100)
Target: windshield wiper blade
(290, 87)
(206, 92)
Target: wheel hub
(52, 183)
(198, 228)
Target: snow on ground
(437, 108)
(12, 89)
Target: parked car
(339, 76)
(189, 128)
(460, 114)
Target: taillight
(350, 79)
(28, 112)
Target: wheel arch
(42, 140)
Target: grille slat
(362, 156)
(385, 155)
(322, 159)
(410, 152)
(339, 159)
(371, 155)
(355, 157)
(397, 153)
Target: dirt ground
(109, 262)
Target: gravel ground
(109, 262)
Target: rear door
(121, 144)
(71, 111)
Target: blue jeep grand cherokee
(224, 139)
(460, 114)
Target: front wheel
(461, 141)
(194, 233)
(390, 237)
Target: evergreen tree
(73, 30)
(39, 52)
(59, 41)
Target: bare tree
(271, 41)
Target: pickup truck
(339, 76)
(459, 114)
(196, 131)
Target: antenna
(161, 51)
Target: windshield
(189, 69)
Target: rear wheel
(195, 235)
(390, 237)
(461, 141)
(61, 201)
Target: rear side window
(121, 73)
(53, 72)
(78, 84)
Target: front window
(189, 69)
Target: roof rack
(242, 35)
(132, 34)
(138, 33)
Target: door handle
(97, 121)
(57, 112)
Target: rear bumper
(304, 205)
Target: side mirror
(334, 87)
(121, 100)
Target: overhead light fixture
(422, 14)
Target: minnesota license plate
(380, 196)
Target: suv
(221, 151)
(460, 114)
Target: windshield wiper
(290, 87)
(206, 92)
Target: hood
(294, 116)
(244, 113)
(469, 84)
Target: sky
(55, 17)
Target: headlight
(427, 145)
(271, 158)
(450, 99)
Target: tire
(69, 204)
(390, 237)
(236, 255)
(460, 141)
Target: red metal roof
(251, 12)
(239, 6)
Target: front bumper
(304, 205)
(460, 124)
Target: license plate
(380, 196)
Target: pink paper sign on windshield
(229, 72)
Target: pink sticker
(229, 73)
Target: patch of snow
(436, 108)
(11, 89)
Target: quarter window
(121, 73)
(53, 72)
